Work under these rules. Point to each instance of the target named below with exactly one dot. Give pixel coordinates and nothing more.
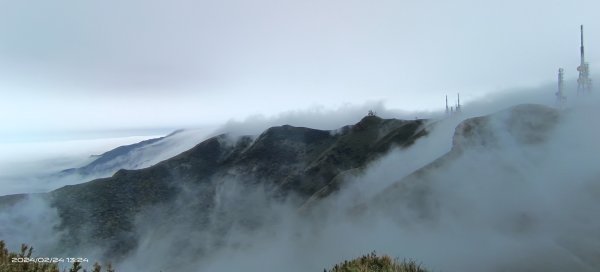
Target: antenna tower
(447, 109)
(584, 83)
(560, 94)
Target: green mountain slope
(286, 160)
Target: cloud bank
(518, 208)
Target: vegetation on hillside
(373, 263)
(367, 263)
(15, 262)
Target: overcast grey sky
(80, 65)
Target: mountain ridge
(287, 160)
(134, 156)
(205, 198)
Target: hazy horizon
(79, 78)
(99, 65)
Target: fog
(63, 64)
(513, 207)
(243, 67)
(516, 208)
(25, 166)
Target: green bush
(373, 263)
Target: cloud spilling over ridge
(31, 167)
(316, 117)
(517, 208)
(319, 117)
(24, 166)
(513, 207)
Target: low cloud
(517, 207)
(26, 167)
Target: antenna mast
(447, 109)
(560, 95)
(584, 83)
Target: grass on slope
(373, 263)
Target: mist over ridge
(266, 135)
(520, 195)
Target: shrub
(373, 263)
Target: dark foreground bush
(367, 263)
(373, 263)
(7, 263)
